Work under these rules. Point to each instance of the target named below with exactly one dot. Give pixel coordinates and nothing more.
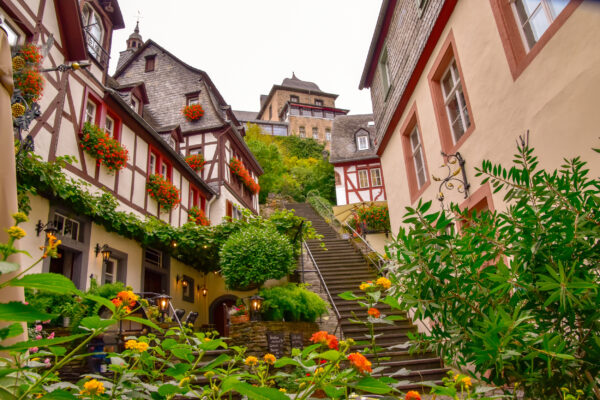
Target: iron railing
(95, 49)
(380, 262)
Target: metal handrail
(337, 313)
(381, 262)
(95, 49)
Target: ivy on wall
(197, 245)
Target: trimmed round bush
(292, 302)
(253, 255)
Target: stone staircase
(343, 269)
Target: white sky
(246, 46)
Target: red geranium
(26, 73)
(193, 112)
(198, 216)
(195, 161)
(163, 191)
(103, 148)
(237, 168)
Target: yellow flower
(131, 344)
(142, 346)
(20, 217)
(365, 285)
(466, 381)
(15, 232)
(17, 109)
(319, 370)
(209, 374)
(384, 283)
(251, 361)
(206, 339)
(282, 390)
(18, 62)
(184, 381)
(93, 387)
(270, 358)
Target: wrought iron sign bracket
(451, 181)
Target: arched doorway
(216, 312)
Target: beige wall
(309, 123)
(280, 97)
(556, 98)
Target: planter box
(253, 335)
(240, 319)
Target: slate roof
(343, 139)
(296, 83)
(244, 116)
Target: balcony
(96, 50)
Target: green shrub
(88, 307)
(51, 303)
(291, 302)
(255, 254)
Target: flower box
(193, 112)
(198, 216)
(240, 319)
(195, 161)
(103, 148)
(238, 169)
(163, 191)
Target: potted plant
(198, 216)
(193, 112)
(238, 169)
(239, 314)
(105, 149)
(163, 191)
(67, 310)
(195, 161)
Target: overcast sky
(246, 46)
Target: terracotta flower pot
(240, 319)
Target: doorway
(67, 264)
(217, 313)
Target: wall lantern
(106, 253)
(255, 306)
(49, 228)
(204, 291)
(162, 301)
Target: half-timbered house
(171, 85)
(70, 31)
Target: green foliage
(89, 307)
(293, 166)
(321, 205)
(50, 302)
(197, 246)
(515, 295)
(255, 254)
(291, 302)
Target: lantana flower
(360, 362)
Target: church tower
(133, 44)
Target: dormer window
(135, 103)
(192, 100)
(95, 32)
(362, 140)
(150, 62)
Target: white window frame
(14, 35)
(152, 163)
(62, 231)
(135, 103)
(193, 100)
(454, 94)
(301, 131)
(418, 157)
(91, 109)
(328, 135)
(157, 254)
(111, 277)
(365, 174)
(384, 69)
(315, 133)
(92, 19)
(376, 177)
(543, 7)
(110, 130)
(362, 142)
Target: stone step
(392, 356)
(358, 330)
(388, 339)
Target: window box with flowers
(163, 191)
(371, 219)
(193, 112)
(195, 161)
(239, 314)
(238, 169)
(103, 148)
(198, 216)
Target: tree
(514, 294)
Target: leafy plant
(195, 161)
(238, 169)
(515, 293)
(291, 302)
(197, 216)
(163, 191)
(193, 112)
(254, 255)
(374, 218)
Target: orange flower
(360, 362)
(412, 395)
(332, 342)
(319, 337)
(373, 312)
(117, 302)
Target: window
(155, 269)
(66, 227)
(318, 102)
(153, 258)
(90, 112)
(338, 179)
(417, 157)
(95, 32)
(152, 163)
(150, 63)
(187, 287)
(315, 133)
(109, 126)
(110, 270)
(362, 142)
(14, 35)
(294, 99)
(328, 134)
(233, 211)
(302, 132)
(535, 17)
(454, 101)
(135, 103)
(193, 100)
(363, 178)
(384, 70)
(525, 26)
(450, 99)
(376, 177)
(194, 197)
(270, 111)
(157, 164)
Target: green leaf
(332, 392)
(47, 281)
(349, 296)
(59, 395)
(96, 323)
(143, 321)
(330, 355)
(222, 358)
(282, 362)
(102, 300)
(17, 311)
(11, 331)
(168, 389)
(372, 385)
(258, 393)
(178, 370)
(42, 342)
(8, 267)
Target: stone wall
(253, 335)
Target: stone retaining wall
(253, 335)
